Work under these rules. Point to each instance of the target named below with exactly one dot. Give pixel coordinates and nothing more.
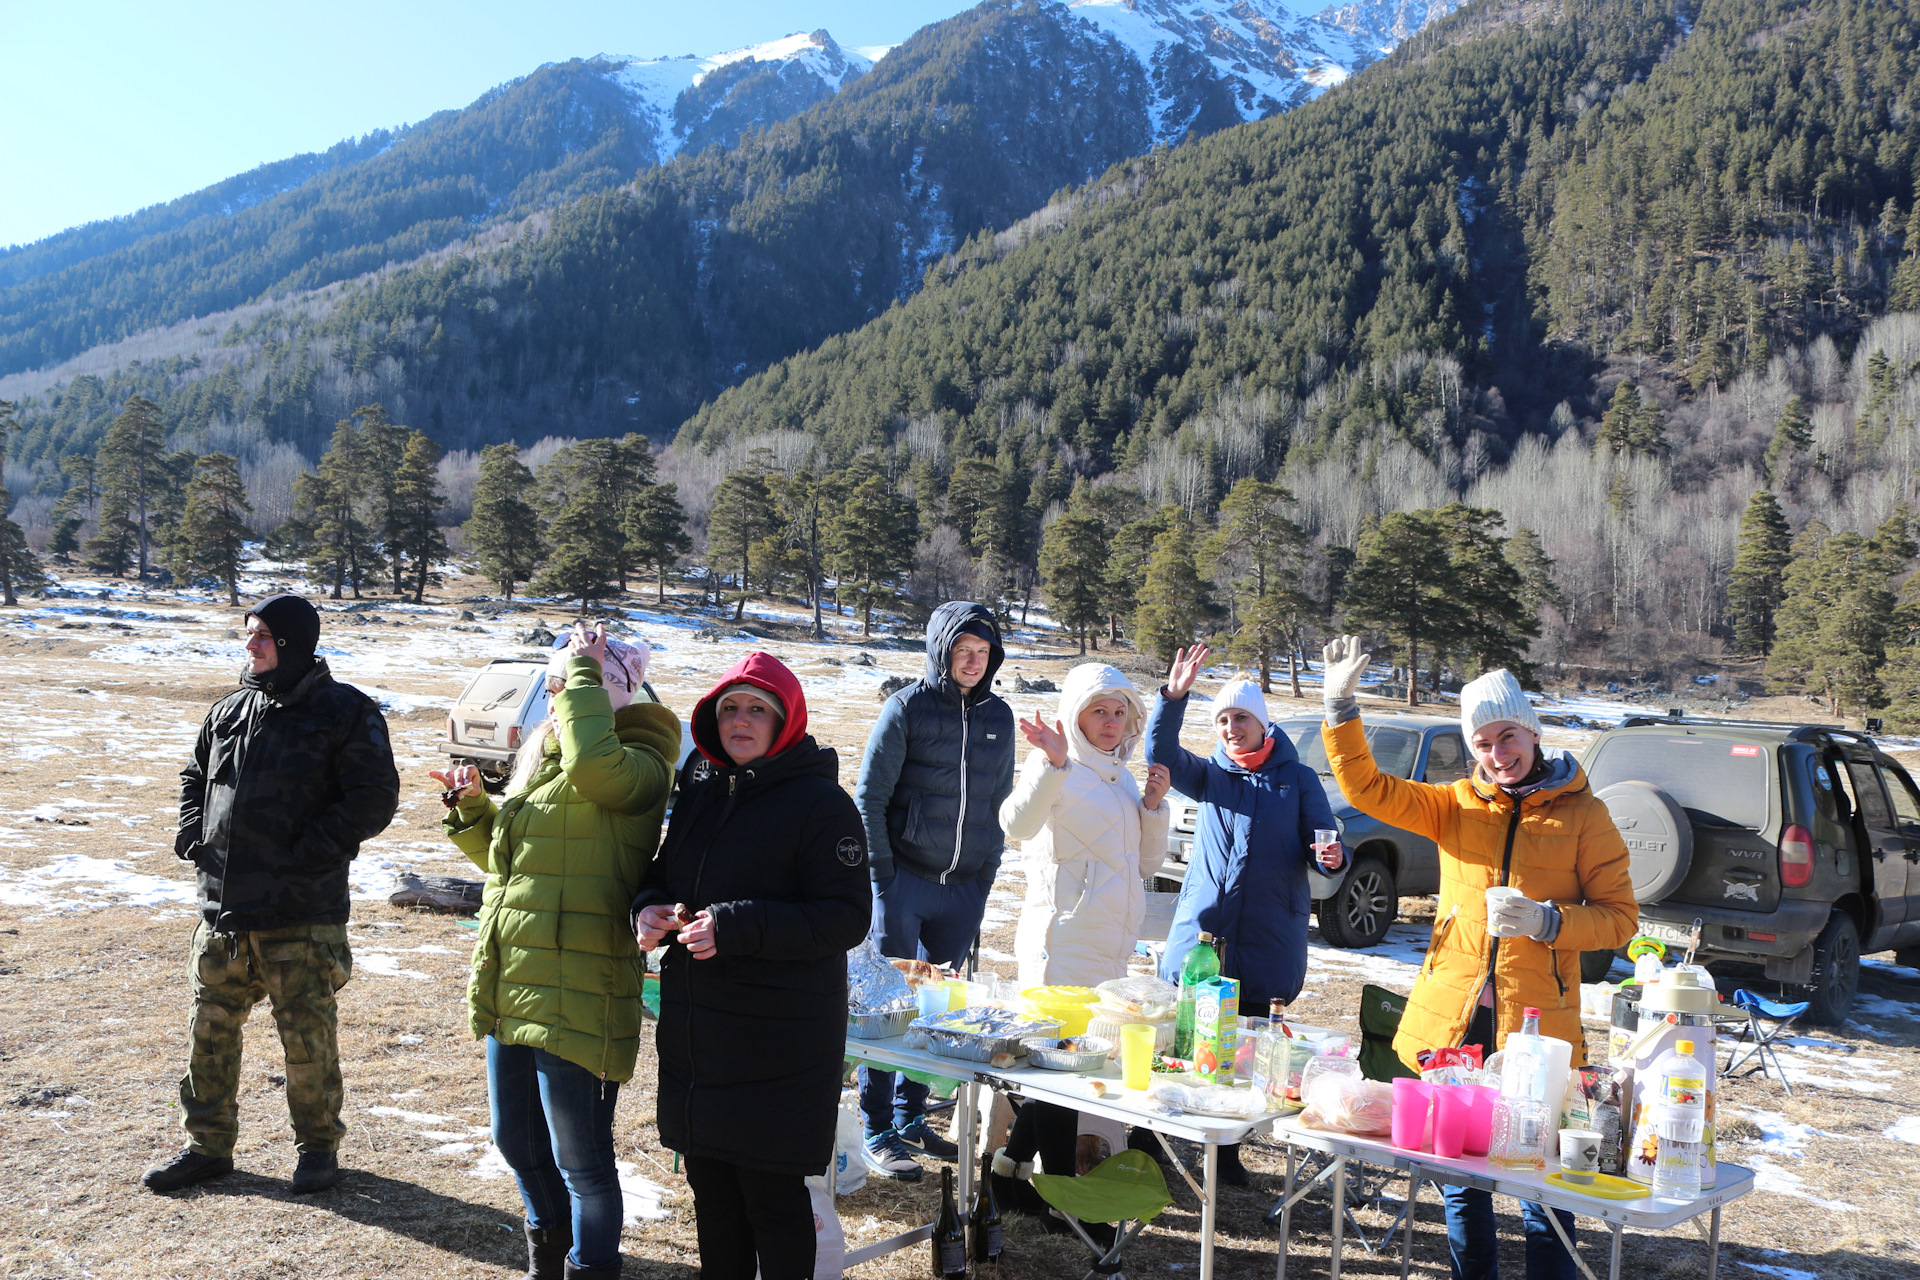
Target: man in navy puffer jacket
(938, 763)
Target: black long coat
(751, 1040)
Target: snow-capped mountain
(693, 102)
(1383, 24)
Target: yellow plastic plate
(1604, 1187)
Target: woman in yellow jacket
(1524, 820)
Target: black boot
(1232, 1172)
(316, 1171)
(608, 1272)
(184, 1170)
(547, 1252)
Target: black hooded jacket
(281, 790)
(751, 1039)
(938, 764)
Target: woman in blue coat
(1246, 883)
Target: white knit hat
(1244, 694)
(1493, 697)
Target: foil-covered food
(874, 986)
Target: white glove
(1340, 678)
(1511, 916)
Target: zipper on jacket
(254, 721)
(1493, 944)
(960, 823)
(699, 873)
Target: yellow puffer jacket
(1561, 846)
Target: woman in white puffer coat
(1088, 836)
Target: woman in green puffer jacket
(557, 972)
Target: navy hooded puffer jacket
(938, 765)
(1247, 884)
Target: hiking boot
(316, 1171)
(184, 1170)
(889, 1157)
(920, 1136)
(547, 1252)
(610, 1270)
(1232, 1172)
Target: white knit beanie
(1244, 694)
(1493, 697)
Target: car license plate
(1667, 932)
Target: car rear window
(497, 690)
(1714, 779)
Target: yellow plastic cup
(1136, 1055)
(956, 993)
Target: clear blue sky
(106, 108)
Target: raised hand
(1345, 664)
(1052, 740)
(1187, 666)
(462, 779)
(592, 643)
(1159, 779)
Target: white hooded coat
(1087, 842)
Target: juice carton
(1216, 1029)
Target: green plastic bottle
(1201, 965)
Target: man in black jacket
(289, 775)
(938, 763)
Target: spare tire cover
(1658, 835)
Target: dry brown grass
(92, 1006)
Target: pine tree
(741, 515)
(1174, 600)
(1401, 586)
(212, 532)
(1756, 584)
(1904, 293)
(1073, 556)
(1130, 547)
(1839, 610)
(417, 540)
(504, 529)
(381, 444)
(130, 471)
(583, 560)
(1267, 554)
(873, 539)
(656, 529)
(1494, 625)
(1792, 437)
(335, 496)
(19, 567)
(806, 504)
(1530, 560)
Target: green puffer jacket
(557, 966)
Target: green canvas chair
(1127, 1188)
(1380, 1013)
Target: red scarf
(1252, 760)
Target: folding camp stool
(1127, 1189)
(1767, 1021)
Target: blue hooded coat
(1247, 881)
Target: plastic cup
(957, 993)
(1452, 1109)
(1136, 1054)
(1412, 1108)
(1579, 1155)
(1479, 1135)
(933, 999)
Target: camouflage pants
(298, 969)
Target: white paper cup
(1495, 897)
(1579, 1155)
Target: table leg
(1339, 1213)
(1210, 1177)
(968, 1105)
(1406, 1235)
(1613, 1265)
(1286, 1213)
(1713, 1246)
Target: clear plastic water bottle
(1679, 1122)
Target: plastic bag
(1141, 998)
(829, 1240)
(1347, 1104)
(873, 984)
(1207, 1099)
(849, 1166)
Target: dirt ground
(95, 915)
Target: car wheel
(1358, 913)
(1836, 973)
(1596, 965)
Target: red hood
(762, 671)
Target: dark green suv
(1794, 847)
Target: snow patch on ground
(99, 881)
(1785, 1273)
(1905, 1129)
(1768, 1176)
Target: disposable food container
(880, 1026)
(1090, 1056)
(980, 1035)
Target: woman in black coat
(761, 885)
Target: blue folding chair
(1767, 1021)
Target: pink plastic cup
(1452, 1109)
(1479, 1132)
(1412, 1103)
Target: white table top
(1065, 1088)
(1730, 1181)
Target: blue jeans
(553, 1123)
(1472, 1241)
(917, 919)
